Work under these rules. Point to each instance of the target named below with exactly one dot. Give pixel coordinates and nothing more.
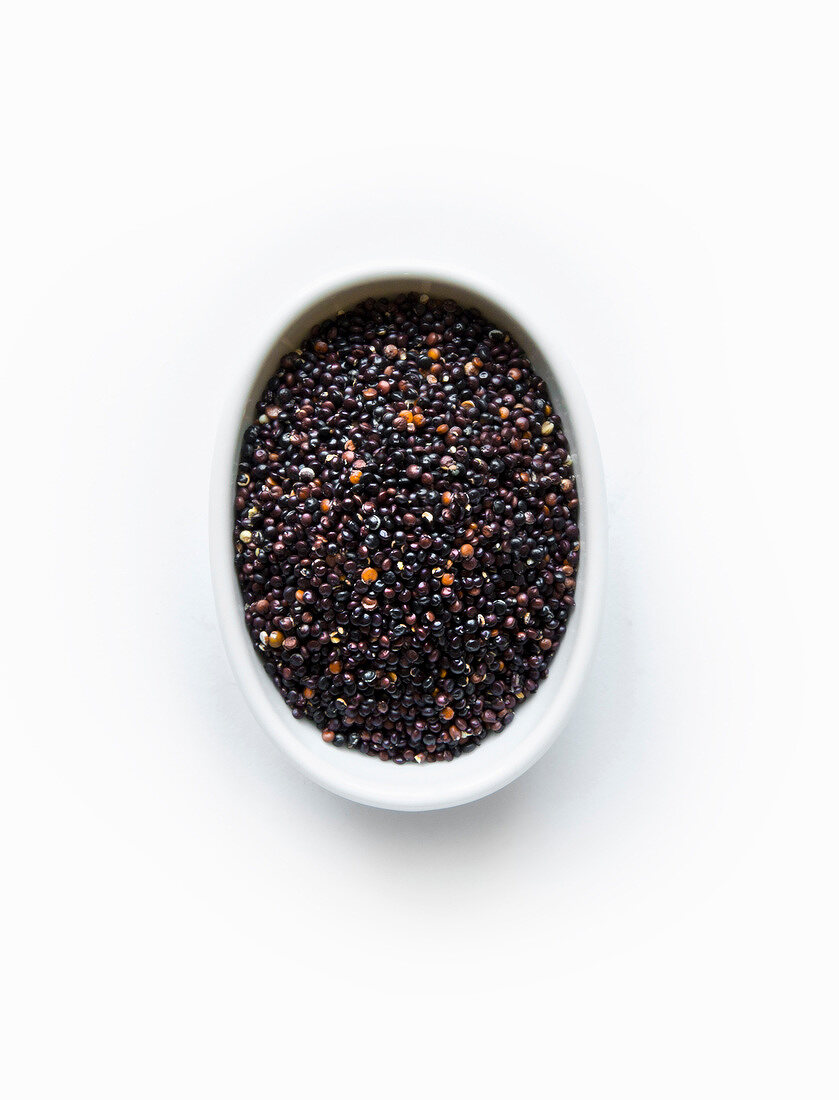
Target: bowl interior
(538, 719)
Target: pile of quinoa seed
(406, 533)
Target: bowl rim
(588, 609)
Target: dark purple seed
(406, 534)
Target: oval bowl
(538, 720)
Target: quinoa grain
(406, 535)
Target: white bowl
(538, 720)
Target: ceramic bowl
(539, 720)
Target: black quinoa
(406, 532)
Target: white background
(650, 911)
